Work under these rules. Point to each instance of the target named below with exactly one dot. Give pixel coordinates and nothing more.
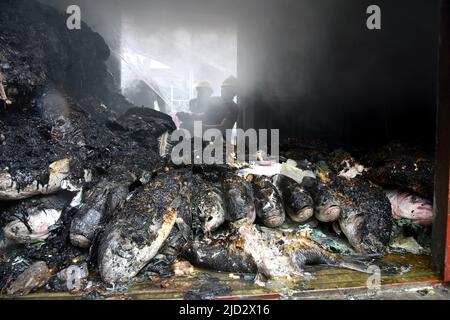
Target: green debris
(328, 241)
(408, 236)
(407, 244)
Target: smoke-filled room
(223, 150)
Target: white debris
(76, 201)
(9, 190)
(74, 276)
(39, 222)
(87, 176)
(350, 172)
(409, 244)
(269, 170)
(270, 260)
(290, 169)
(70, 186)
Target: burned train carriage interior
(95, 204)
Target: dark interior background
(315, 70)
(311, 68)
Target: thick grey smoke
(171, 45)
(309, 67)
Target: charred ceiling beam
(441, 226)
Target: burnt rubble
(68, 127)
(85, 162)
(65, 101)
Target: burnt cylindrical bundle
(238, 198)
(208, 204)
(268, 202)
(327, 206)
(297, 201)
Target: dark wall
(312, 69)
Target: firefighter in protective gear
(223, 112)
(198, 107)
(204, 92)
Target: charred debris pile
(87, 201)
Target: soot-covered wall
(311, 68)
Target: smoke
(173, 59)
(313, 69)
(171, 45)
(309, 67)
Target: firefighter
(223, 111)
(2, 91)
(198, 106)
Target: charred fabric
(85, 194)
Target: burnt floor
(404, 276)
(403, 292)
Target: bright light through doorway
(172, 61)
